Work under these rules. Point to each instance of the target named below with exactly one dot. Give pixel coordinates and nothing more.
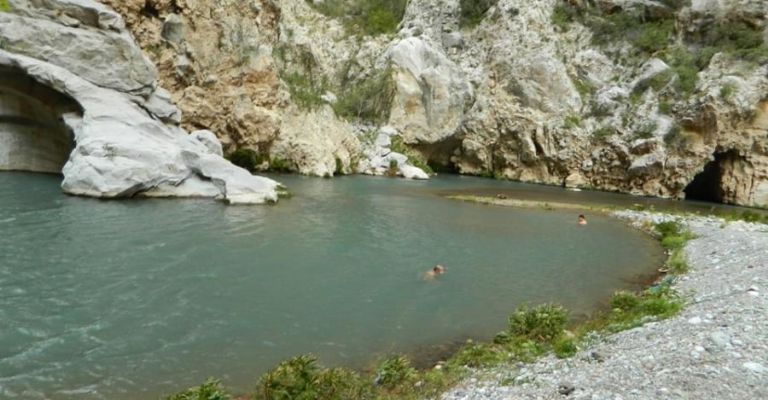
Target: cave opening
(33, 133)
(708, 184)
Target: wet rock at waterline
(101, 120)
(379, 158)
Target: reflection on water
(133, 299)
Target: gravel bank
(716, 348)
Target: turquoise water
(135, 299)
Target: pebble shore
(716, 348)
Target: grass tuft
(364, 17)
(210, 390)
(542, 324)
(472, 12)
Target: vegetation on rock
(415, 158)
(253, 161)
(673, 238)
(658, 35)
(210, 390)
(246, 159)
(472, 12)
(369, 99)
(367, 17)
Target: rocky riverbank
(716, 348)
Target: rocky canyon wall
(636, 97)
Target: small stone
(755, 367)
(720, 340)
(565, 389)
(694, 321)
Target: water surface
(135, 299)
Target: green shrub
(606, 29)
(571, 121)
(210, 390)
(747, 216)
(665, 107)
(369, 100)
(668, 228)
(673, 242)
(727, 90)
(563, 15)
(246, 158)
(660, 306)
(414, 157)
(584, 88)
(653, 36)
(604, 132)
(369, 17)
(502, 337)
(565, 347)
(542, 323)
(677, 264)
(675, 4)
(278, 164)
(300, 378)
(624, 301)
(645, 131)
(647, 35)
(751, 216)
(685, 65)
(475, 355)
(472, 12)
(295, 378)
(738, 39)
(394, 371)
(676, 138)
(332, 8)
(5, 6)
(306, 92)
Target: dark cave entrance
(33, 133)
(708, 184)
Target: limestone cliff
(648, 97)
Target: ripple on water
(135, 299)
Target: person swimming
(433, 273)
(582, 219)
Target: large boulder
(80, 93)
(83, 37)
(122, 151)
(431, 92)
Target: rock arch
(33, 134)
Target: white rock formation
(379, 158)
(431, 92)
(120, 147)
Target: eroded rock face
(516, 97)
(216, 59)
(116, 122)
(431, 92)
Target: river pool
(133, 299)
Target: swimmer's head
(438, 269)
